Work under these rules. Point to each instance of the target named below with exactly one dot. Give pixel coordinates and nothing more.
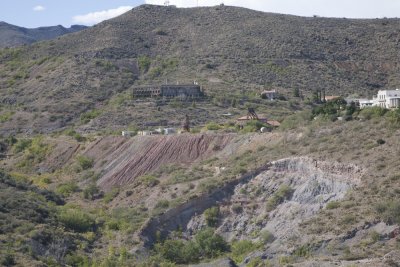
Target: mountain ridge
(12, 35)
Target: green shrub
(85, 162)
(206, 244)
(76, 220)
(237, 208)
(380, 141)
(241, 248)
(86, 117)
(149, 180)
(91, 191)
(283, 193)
(333, 205)
(78, 137)
(303, 251)
(144, 63)
(162, 204)
(211, 215)
(173, 250)
(389, 211)
(109, 196)
(372, 112)
(393, 118)
(254, 126)
(212, 126)
(35, 151)
(67, 189)
(266, 237)
(210, 244)
(21, 145)
(155, 72)
(6, 116)
(348, 219)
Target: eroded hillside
(318, 194)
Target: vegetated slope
(11, 35)
(276, 200)
(30, 232)
(334, 184)
(228, 49)
(122, 160)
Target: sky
(35, 13)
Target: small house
(128, 133)
(331, 97)
(147, 133)
(168, 131)
(366, 103)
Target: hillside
(314, 193)
(12, 36)
(233, 52)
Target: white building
(387, 99)
(365, 103)
(169, 131)
(128, 133)
(166, 131)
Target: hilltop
(12, 36)
(233, 52)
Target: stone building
(168, 91)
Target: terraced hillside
(233, 52)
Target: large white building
(387, 99)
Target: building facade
(387, 99)
(168, 91)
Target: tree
(211, 216)
(296, 92)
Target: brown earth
(121, 160)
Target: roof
(246, 118)
(269, 92)
(331, 97)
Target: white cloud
(99, 16)
(326, 8)
(39, 8)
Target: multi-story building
(387, 99)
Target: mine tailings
(120, 160)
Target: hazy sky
(34, 13)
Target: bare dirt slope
(121, 160)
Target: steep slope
(11, 35)
(128, 159)
(229, 50)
